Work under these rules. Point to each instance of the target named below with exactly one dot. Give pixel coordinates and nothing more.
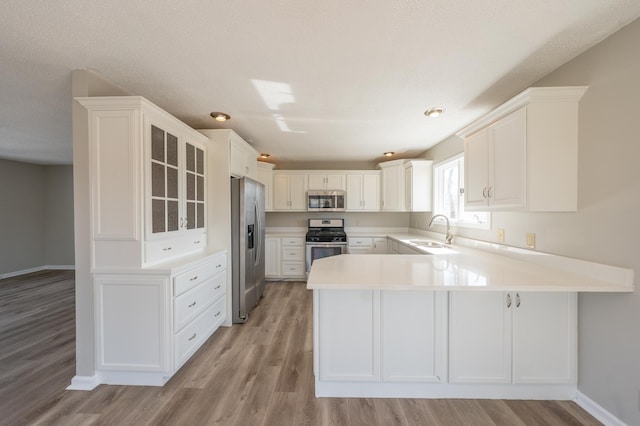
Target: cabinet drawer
(195, 242)
(293, 253)
(293, 269)
(196, 332)
(188, 305)
(190, 279)
(361, 242)
(293, 241)
(163, 249)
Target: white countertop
(464, 268)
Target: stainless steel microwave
(325, 201)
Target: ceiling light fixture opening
(434, 112)
(264, 155)
(388, 153)
(220, 116)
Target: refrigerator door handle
(258, 231)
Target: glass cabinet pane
(191, 186)
(157, 180)
(172, 150)
(200, 161)
(191, 160)
(200, 188)
(191, 215)
(200, 215)
(157, 144)
(157, 216)
(172, 182)
(172, 215)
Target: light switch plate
(501, 235)
(531, 240)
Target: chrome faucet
(449, 236)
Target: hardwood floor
(259, 373)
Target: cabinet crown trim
(528, 96)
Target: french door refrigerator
(247, 246)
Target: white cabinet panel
(289, 192)
(513, 337)
(349, 335)
(544, 338)
(265, 176)
(379, 246)
(524, 154)
(393, 191)
(479, 338)
(325, 180)
(418, 185)
(272, 257)
(412, 336)
(363, 191)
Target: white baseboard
(84, 383)
(597, 411)
(36, 269)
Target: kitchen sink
(429, 244)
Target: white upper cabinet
(363, 191)
(265, 176)
(289, 191)
(243, 158)
(148, 183)
(392, 191)
(406, 185)
(524, 154)
(322, 180)
(418, 184)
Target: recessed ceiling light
(265, 155)
(220, 116)
(388, 154)
(434, 112)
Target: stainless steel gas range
(325, 237)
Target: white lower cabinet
(373, 335)
(149, 324)
(513, 337)
(272, 263)
(285, 258)
(413, 337)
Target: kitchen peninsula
(462, 323)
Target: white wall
(36, 216)
(59, 215)
(351, 219)
(22, 212)
(606, 227)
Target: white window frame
(438, 196)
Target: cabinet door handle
(217, 287)
(217, 314)
(219, 266)
(508, 300)
(489, 192)
(196, 242)
(193, 278)
(192, 305)
(192, 337)
(517, 300)
(484, 192)
(166, 249)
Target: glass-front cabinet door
(165, 197)
(195, 187)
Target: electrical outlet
(531, 240)
(501, 235)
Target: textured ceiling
(303, 80)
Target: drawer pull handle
(217, 314)
(194, 278)
(517, 300)
(508, 300)
(219, 266)
(196, 242)
(166, 249)
(218, 287)
(192, 305)
(192, 337)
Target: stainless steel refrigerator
(247, 246)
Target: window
(449, 195)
